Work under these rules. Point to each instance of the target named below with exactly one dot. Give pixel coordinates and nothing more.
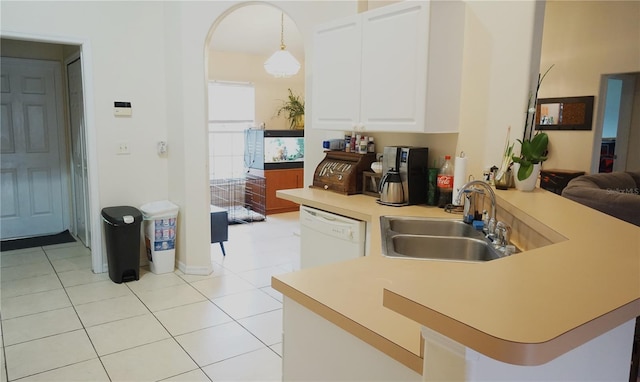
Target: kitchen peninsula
(563, 308)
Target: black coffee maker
(412, 164)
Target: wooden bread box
(342, 172)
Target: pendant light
(282, 63)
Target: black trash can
(122, 238)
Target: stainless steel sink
(434, 239)
(428, 226)
(442, 248)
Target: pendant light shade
(282, 63)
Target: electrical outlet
(162, 148)
(123, 148)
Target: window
(231, 112)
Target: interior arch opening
(243, 97)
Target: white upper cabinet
(336, 67)
(394, 59)
(390, 69)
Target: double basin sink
(434, 239)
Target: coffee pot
(391, 191)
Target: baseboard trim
(194, 270)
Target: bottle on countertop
(363, 145)
(347, 143)
(371, 147)
(353, 142)
(445, 182)
(333, 144)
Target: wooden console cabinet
(280, 179)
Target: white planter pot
(530, 183)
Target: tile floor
(61, 322)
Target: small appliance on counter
(342, 172)
(391, 191)
(411, 164)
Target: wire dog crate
(243, 198)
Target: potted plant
(533, 150)
(294, 110)
(527, 165)
(504, 176)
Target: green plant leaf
(525, 171)
(532, 151)
(539, 144)
(292, 108)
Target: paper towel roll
(459, 175)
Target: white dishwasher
(328, 238)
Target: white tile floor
(61, 322)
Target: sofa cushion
(616, 194)
(636, 177)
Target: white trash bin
(160, 226)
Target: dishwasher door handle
(330, 224)
(329, 220)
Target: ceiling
(255, 29)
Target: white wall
(153, 55)
(187, 27)
(127, 65)
(584, 40)
(270, 91)
(501, 55)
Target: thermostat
(122, 108)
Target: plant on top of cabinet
(294, 109)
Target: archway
(239, 43)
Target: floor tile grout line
(26, 278)
(36, 292)
(116, 320)
(245, 328)
(42, 338)
(33, 314)
(264, 343)
(171, 336)
(55, 368)
(79, 319)
(5, 369)
(134, 347)
(237, 322)
(197, 368)
(232, 319)
(225, 312)
(55, 272)
(238, 355)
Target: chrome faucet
(492, 196)
(503, 234)
(499, 233)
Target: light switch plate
(123, 149)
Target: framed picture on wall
(568, 113)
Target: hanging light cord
(282, 46)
